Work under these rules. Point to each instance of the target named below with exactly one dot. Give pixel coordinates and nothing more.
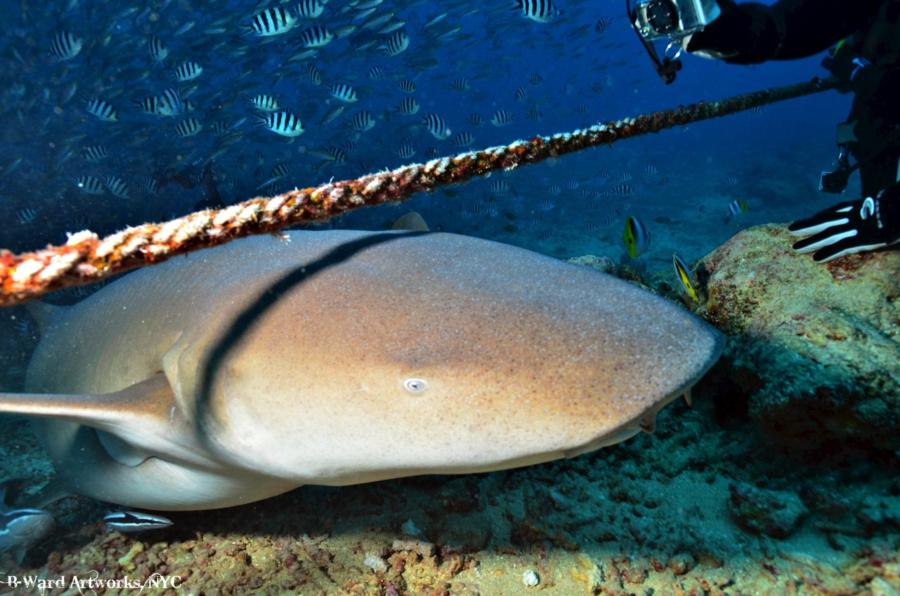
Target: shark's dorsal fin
(411, 222)
(44, 314)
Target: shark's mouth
(646, 422)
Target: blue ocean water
(568, 73)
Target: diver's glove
(855, 226)
(737, 35)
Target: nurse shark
(340, 357)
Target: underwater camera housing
(673, 19)
(669, 19)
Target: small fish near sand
(20, 529)
(342, 357)
(134, 522)
(683, 273)
(636, 237)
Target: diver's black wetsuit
(866, 62)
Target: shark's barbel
(339, 357)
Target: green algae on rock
(815, 347)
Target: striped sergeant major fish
(94, 152)
(540, 11)
(265, 103)
(397, 43)
(221, 128)
(157, 49)
(170, 103)
(684, 277)
(280, 170)
(276, 20)
(500, 187)
(167, 104)
(406, 150)
(26, 216)
(283, 123)
(117, 187)
(268, 186)
(151, 185)
(313, 74)
(65, 45)
(338, 154)
(310, 9)
(335, 154)
(502, 118)
(460, 84)
(316, 37)
(90, 184)
(187, 71)
(344, 92)
(362, 121)
(133, 522)
(436, 126)
(407, 86)
(636, 237)
(464, 139)
(408, 106)
(102, 110)
(188, 127)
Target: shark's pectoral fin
(138, 422)
(108, 411)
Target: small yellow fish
(636, 237)
(684, 276)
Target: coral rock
(773, 513)
(815, 347)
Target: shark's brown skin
(238, 373)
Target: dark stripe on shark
(264, 302)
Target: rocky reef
(815, 350)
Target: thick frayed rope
(86, 258)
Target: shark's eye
(415, 385)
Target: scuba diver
(865, 61)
